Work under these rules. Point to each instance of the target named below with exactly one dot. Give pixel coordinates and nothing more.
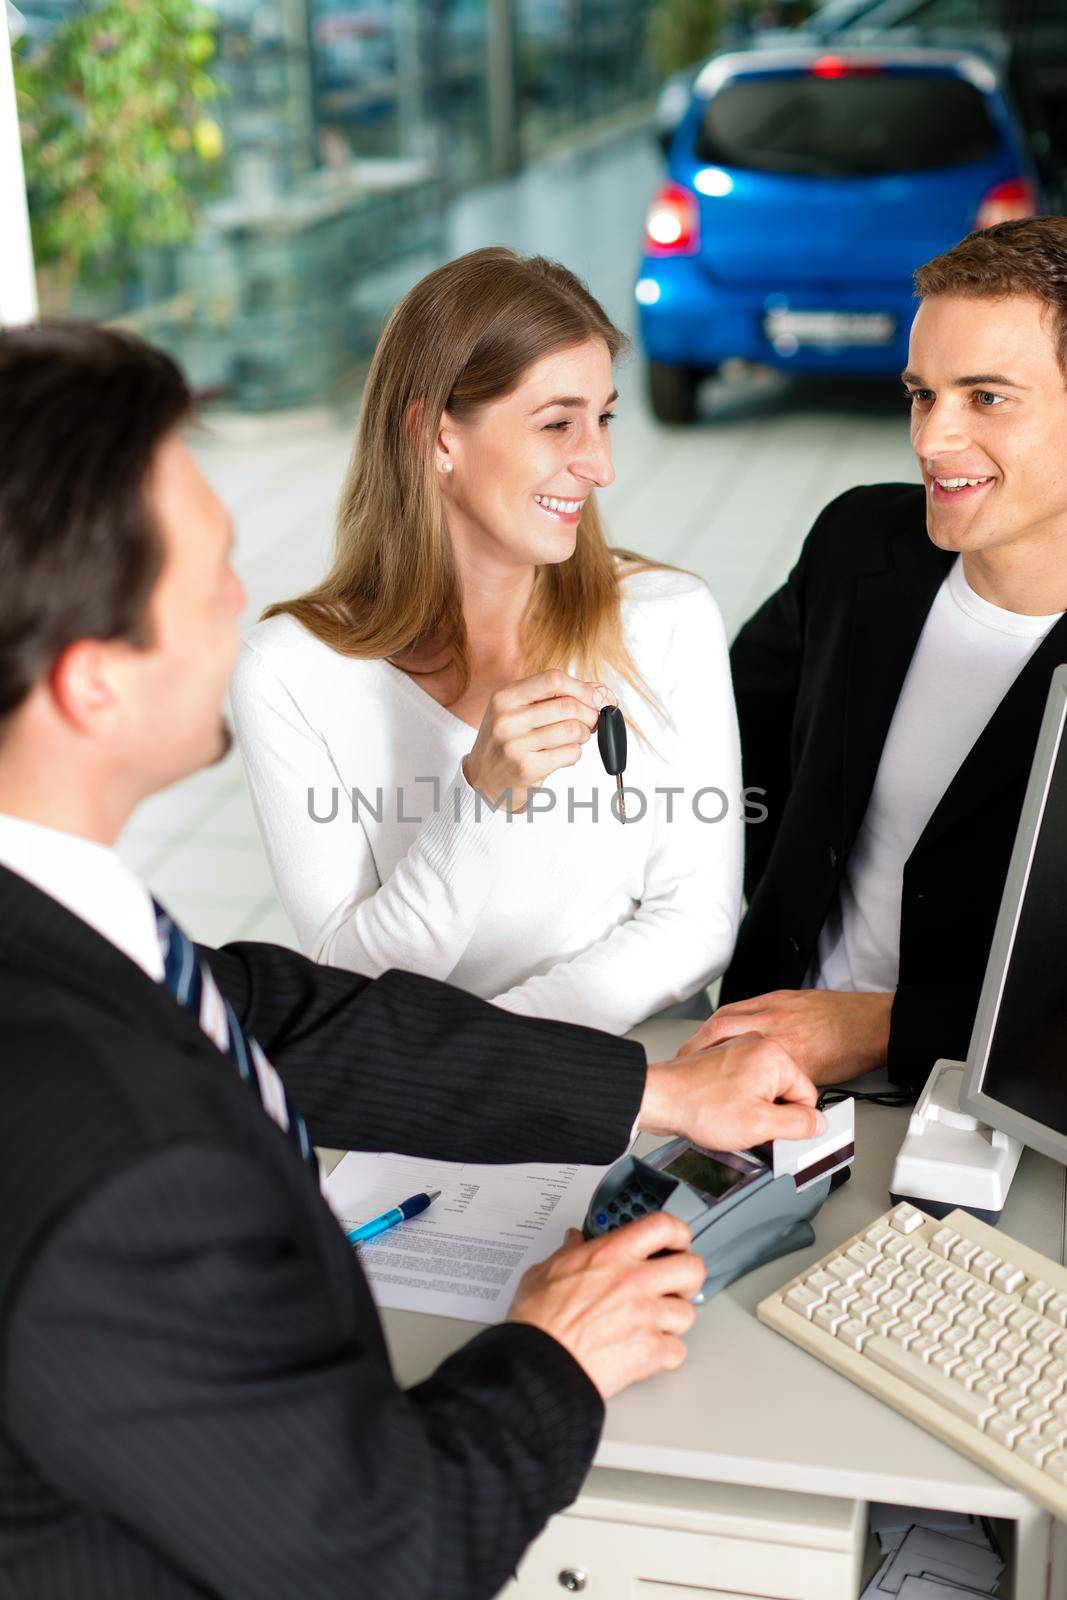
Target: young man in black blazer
(195, 1396)
(890, 693)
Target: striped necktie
(190, 981)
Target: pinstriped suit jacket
(195, 1397)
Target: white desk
(748, 1408)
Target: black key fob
(611, 737)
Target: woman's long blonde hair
(463, 336)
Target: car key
(611, 737)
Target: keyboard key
(1004, 1429)
(954, 1338)
(928, 1294)
(1042, 1391)
(967, 1373)
(878, 1233)
(951, 1305)
(829, 1318)
(985, 1264)
(943, 1240)
(992, 1388)
(971, 1317)
(926, 1379)
(863, 1307)
(1056, 1310)
(924, 1348)
(1035, 1415)
(820, 1281)
(864, 1255)
(1056, 1372)
(937, 1271)
(945, 1362)
(1035, 1358)
(957, 1283)
(999, 1363)
(803, 1300)
(905, 1219)
(1008, 1277)
(1033, 1449)
(1022, 1319)
(1011, 1401)
(842, 1297)
(980, 1295)
(881, 1321)
(854, 1334)
(963, 1253)
(1038, 1295)
(844, 1271)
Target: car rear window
(846, 127)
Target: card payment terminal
(742, 1207)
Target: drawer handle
(573, 1579)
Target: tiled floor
(731, 498)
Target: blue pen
(389, 1219)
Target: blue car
(805, 187)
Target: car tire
(672, 391)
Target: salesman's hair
(1023, 258)
(82, 412)
(462, 337)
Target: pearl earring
(446, 466)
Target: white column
(18, 289)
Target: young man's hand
(731, 1096)
(830, 1034)
(620, 1313)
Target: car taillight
(1007, 202)
(839, 67)
(672, 226)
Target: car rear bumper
(699, 323)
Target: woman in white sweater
(419, 730)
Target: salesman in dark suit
(891, 692)
(195, 1396)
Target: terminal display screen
(712, 1176)
(1027, 1063)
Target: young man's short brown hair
(1027, 258)
(82, 412)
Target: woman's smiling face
(524, 465)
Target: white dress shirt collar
(89, 880)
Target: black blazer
(195, 1396)
(817, 673)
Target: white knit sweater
(553, 913)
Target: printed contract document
(465, 1255)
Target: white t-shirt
(968, 656)
(555, 913)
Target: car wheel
(672, 391)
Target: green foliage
(682, 31)
(114, 131)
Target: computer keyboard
(955, 1326)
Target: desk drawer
(637, 1537)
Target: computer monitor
(1016, 1077)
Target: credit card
(808, 1160)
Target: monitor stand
(949, 1158)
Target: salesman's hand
(832, 1035)
(732, 1096)
(619, 1313)
(530, 729)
